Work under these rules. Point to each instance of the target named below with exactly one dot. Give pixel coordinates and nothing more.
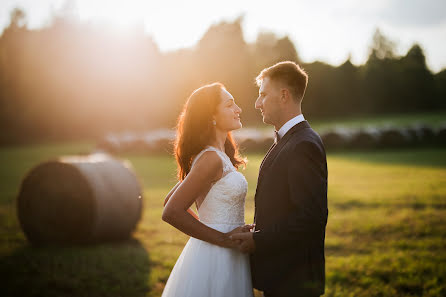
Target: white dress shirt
(290, 124)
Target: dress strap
(227, 165)
(198, 156)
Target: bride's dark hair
(195, 129)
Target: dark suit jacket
(291, 215)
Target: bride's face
(227, 117)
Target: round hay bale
(394, 137)
(109, 143)
(127, 141)
(159, 141)
(247, 138)
(248, 144)
(441, 135)
(365, 139)
(427, 134)
(140, 145)
(266, 143)
(79, 199)
(422, 134)
(414, 135)
(163, 145)
(336, 139)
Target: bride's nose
(238, 110)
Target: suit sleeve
(307, 187)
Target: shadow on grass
(111, 269)
(428, 157)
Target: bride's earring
(214, 122)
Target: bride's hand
(229, 243)
(241, 229)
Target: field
(386, 232)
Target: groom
(287, 246)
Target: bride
(208, 158)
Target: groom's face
(268, 101)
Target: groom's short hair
(289, 73)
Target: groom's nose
(258, 104)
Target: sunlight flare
(116, 13)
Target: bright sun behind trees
(75, 79)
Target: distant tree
(319, 100)
(17, 18)
(12, 73)
(286, 50)
(440, 88)
(347, 89)
(74, 79)
(380, 77)
(417, 87)
(222, 54)
(270, 49)
(382, 47)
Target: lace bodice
(225, 201)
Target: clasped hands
(241, 238)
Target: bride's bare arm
(203, 174)
(170, 194)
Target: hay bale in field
(427, 133)
(160, 141)
(127, 141)
(414, 135)
(336, 139)
(109, 143)
(248, 144)
(79, 199)
(253, 140)
(394, 137)
(421, 134)
(163, 145)
(255, 145)
(266, 143)
(365, 138)
(441, 135)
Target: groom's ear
(285, 95)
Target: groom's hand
(247, 243)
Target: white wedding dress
(207, 270)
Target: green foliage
(440, 83)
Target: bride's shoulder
(207, 162)
(206, 154)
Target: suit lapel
(266, 155)
(275, 149)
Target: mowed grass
(385, 235)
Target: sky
(322, 30)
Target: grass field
(386, 232)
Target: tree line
(80, 80)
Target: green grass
(385, 235)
